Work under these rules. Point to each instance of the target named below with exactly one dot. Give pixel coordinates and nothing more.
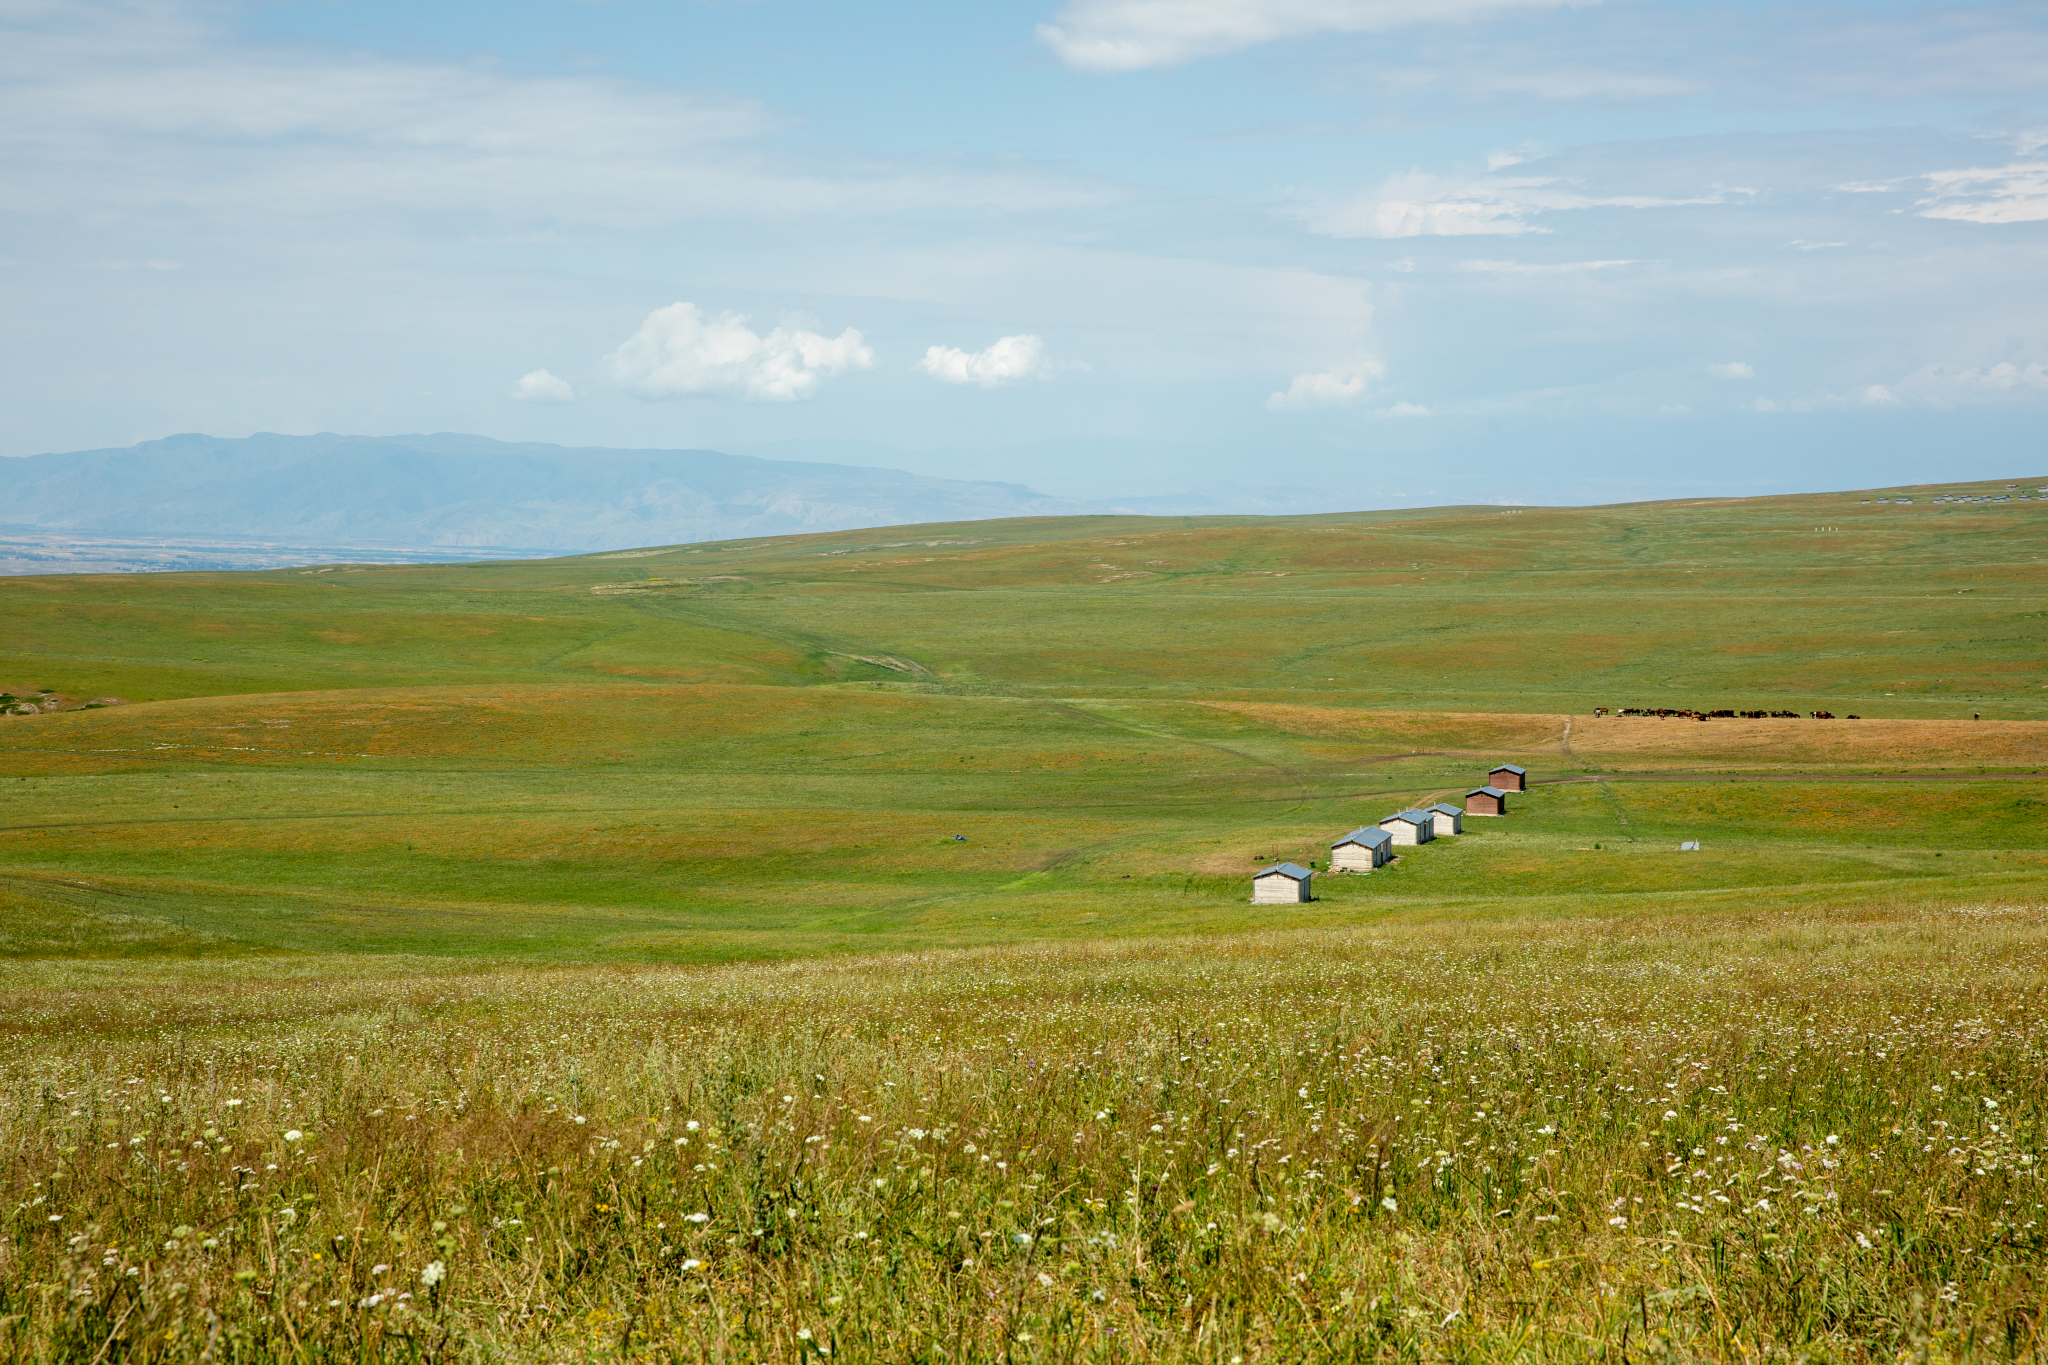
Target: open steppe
(552, 905)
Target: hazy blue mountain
(451, 491)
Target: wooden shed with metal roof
(1449, 819)
(1362, 850)
(1281, 884)
(1486, 801)
(1509, 778)
(1410, 826)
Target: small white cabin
(1281, 884)
(1362, 850)
(1449, 819)
(1410, 826)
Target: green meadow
(840, 945)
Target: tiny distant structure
(1281, 884)
(1689, 846)
(959, 838)
(1509, 777)
(1486, 801)
(1362, 850)
(1410, 827)
(1449, 819)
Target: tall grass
(1773, 1136)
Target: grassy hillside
(1897, 610)
(768, 748)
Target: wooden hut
(1486, 801)
(1281, 884)
(1509, 778)
(1362, 850)
(1449, 819)
(1410, 826)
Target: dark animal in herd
(1717, 715)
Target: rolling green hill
(1896, 610)
(766, 748)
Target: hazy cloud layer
(1418, 204)
(1129, 35)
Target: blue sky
(1336, 253)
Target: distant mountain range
(445, 493)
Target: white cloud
(1527, 268)
(542, 387)
(1416, 204)
(1007, 361)
(682, 350)
(1404, 410)
(1733, 369)
(1333, 387)
(124, 107)
(1878, 396)
(1764, 405)
(1130, 35)
(2003, 194)
(1941, 385)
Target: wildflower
(691, 1126)
(803, 1334)
(1670, 1113)
(696, 1218)
(379, 1269)
(1832, 1139)
(293, 1135)
(1045, 1279)
(579, 1119)
(1617, 1222)
(433, 1274)
(1023, 1239)
(692, 1264)
(1389, 1205)
(234, 1104)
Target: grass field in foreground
(1755, 1135)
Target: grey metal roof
(1412, 816)
(1294, 870)
(1508, 768)
(1447, 808)
(1484, 791)
(1371, 836)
